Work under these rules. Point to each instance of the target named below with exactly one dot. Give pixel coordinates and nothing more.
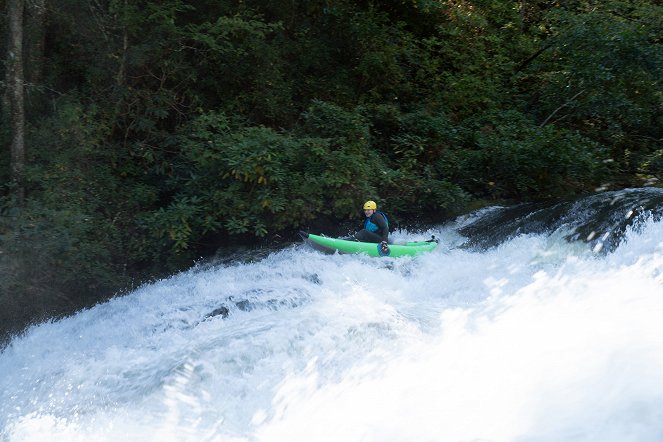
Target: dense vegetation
(158, 130)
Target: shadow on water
(600, 220)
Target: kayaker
(375, 228)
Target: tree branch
(560, 108)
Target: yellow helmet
(370, 205)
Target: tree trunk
(35, 33)
(121, 77)
(15, 87)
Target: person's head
(370, 207)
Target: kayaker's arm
(378, 219)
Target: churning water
(537, 338)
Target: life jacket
(371, 226)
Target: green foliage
(651, 168)
(421, 138)
(330, 121)
(254, 180)
(601, 75)
(70, 244)
(66, 250)
(238, 66)
(470, 58)
(76, 236)
(413, 142)
(513, 158)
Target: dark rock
(221, 311)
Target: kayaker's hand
(384, 247)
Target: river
(514, 334)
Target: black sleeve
(378, 219)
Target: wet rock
(221, 311)
(601, 219)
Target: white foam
(536, 340)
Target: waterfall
(525, 324)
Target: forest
(140, 136)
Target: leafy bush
(513, 158)
(412, 142)
(254, 180)
(600, 73)
(75, 240)
(651, 169)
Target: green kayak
(343, 246)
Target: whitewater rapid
(538, 339)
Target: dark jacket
(378, 225)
